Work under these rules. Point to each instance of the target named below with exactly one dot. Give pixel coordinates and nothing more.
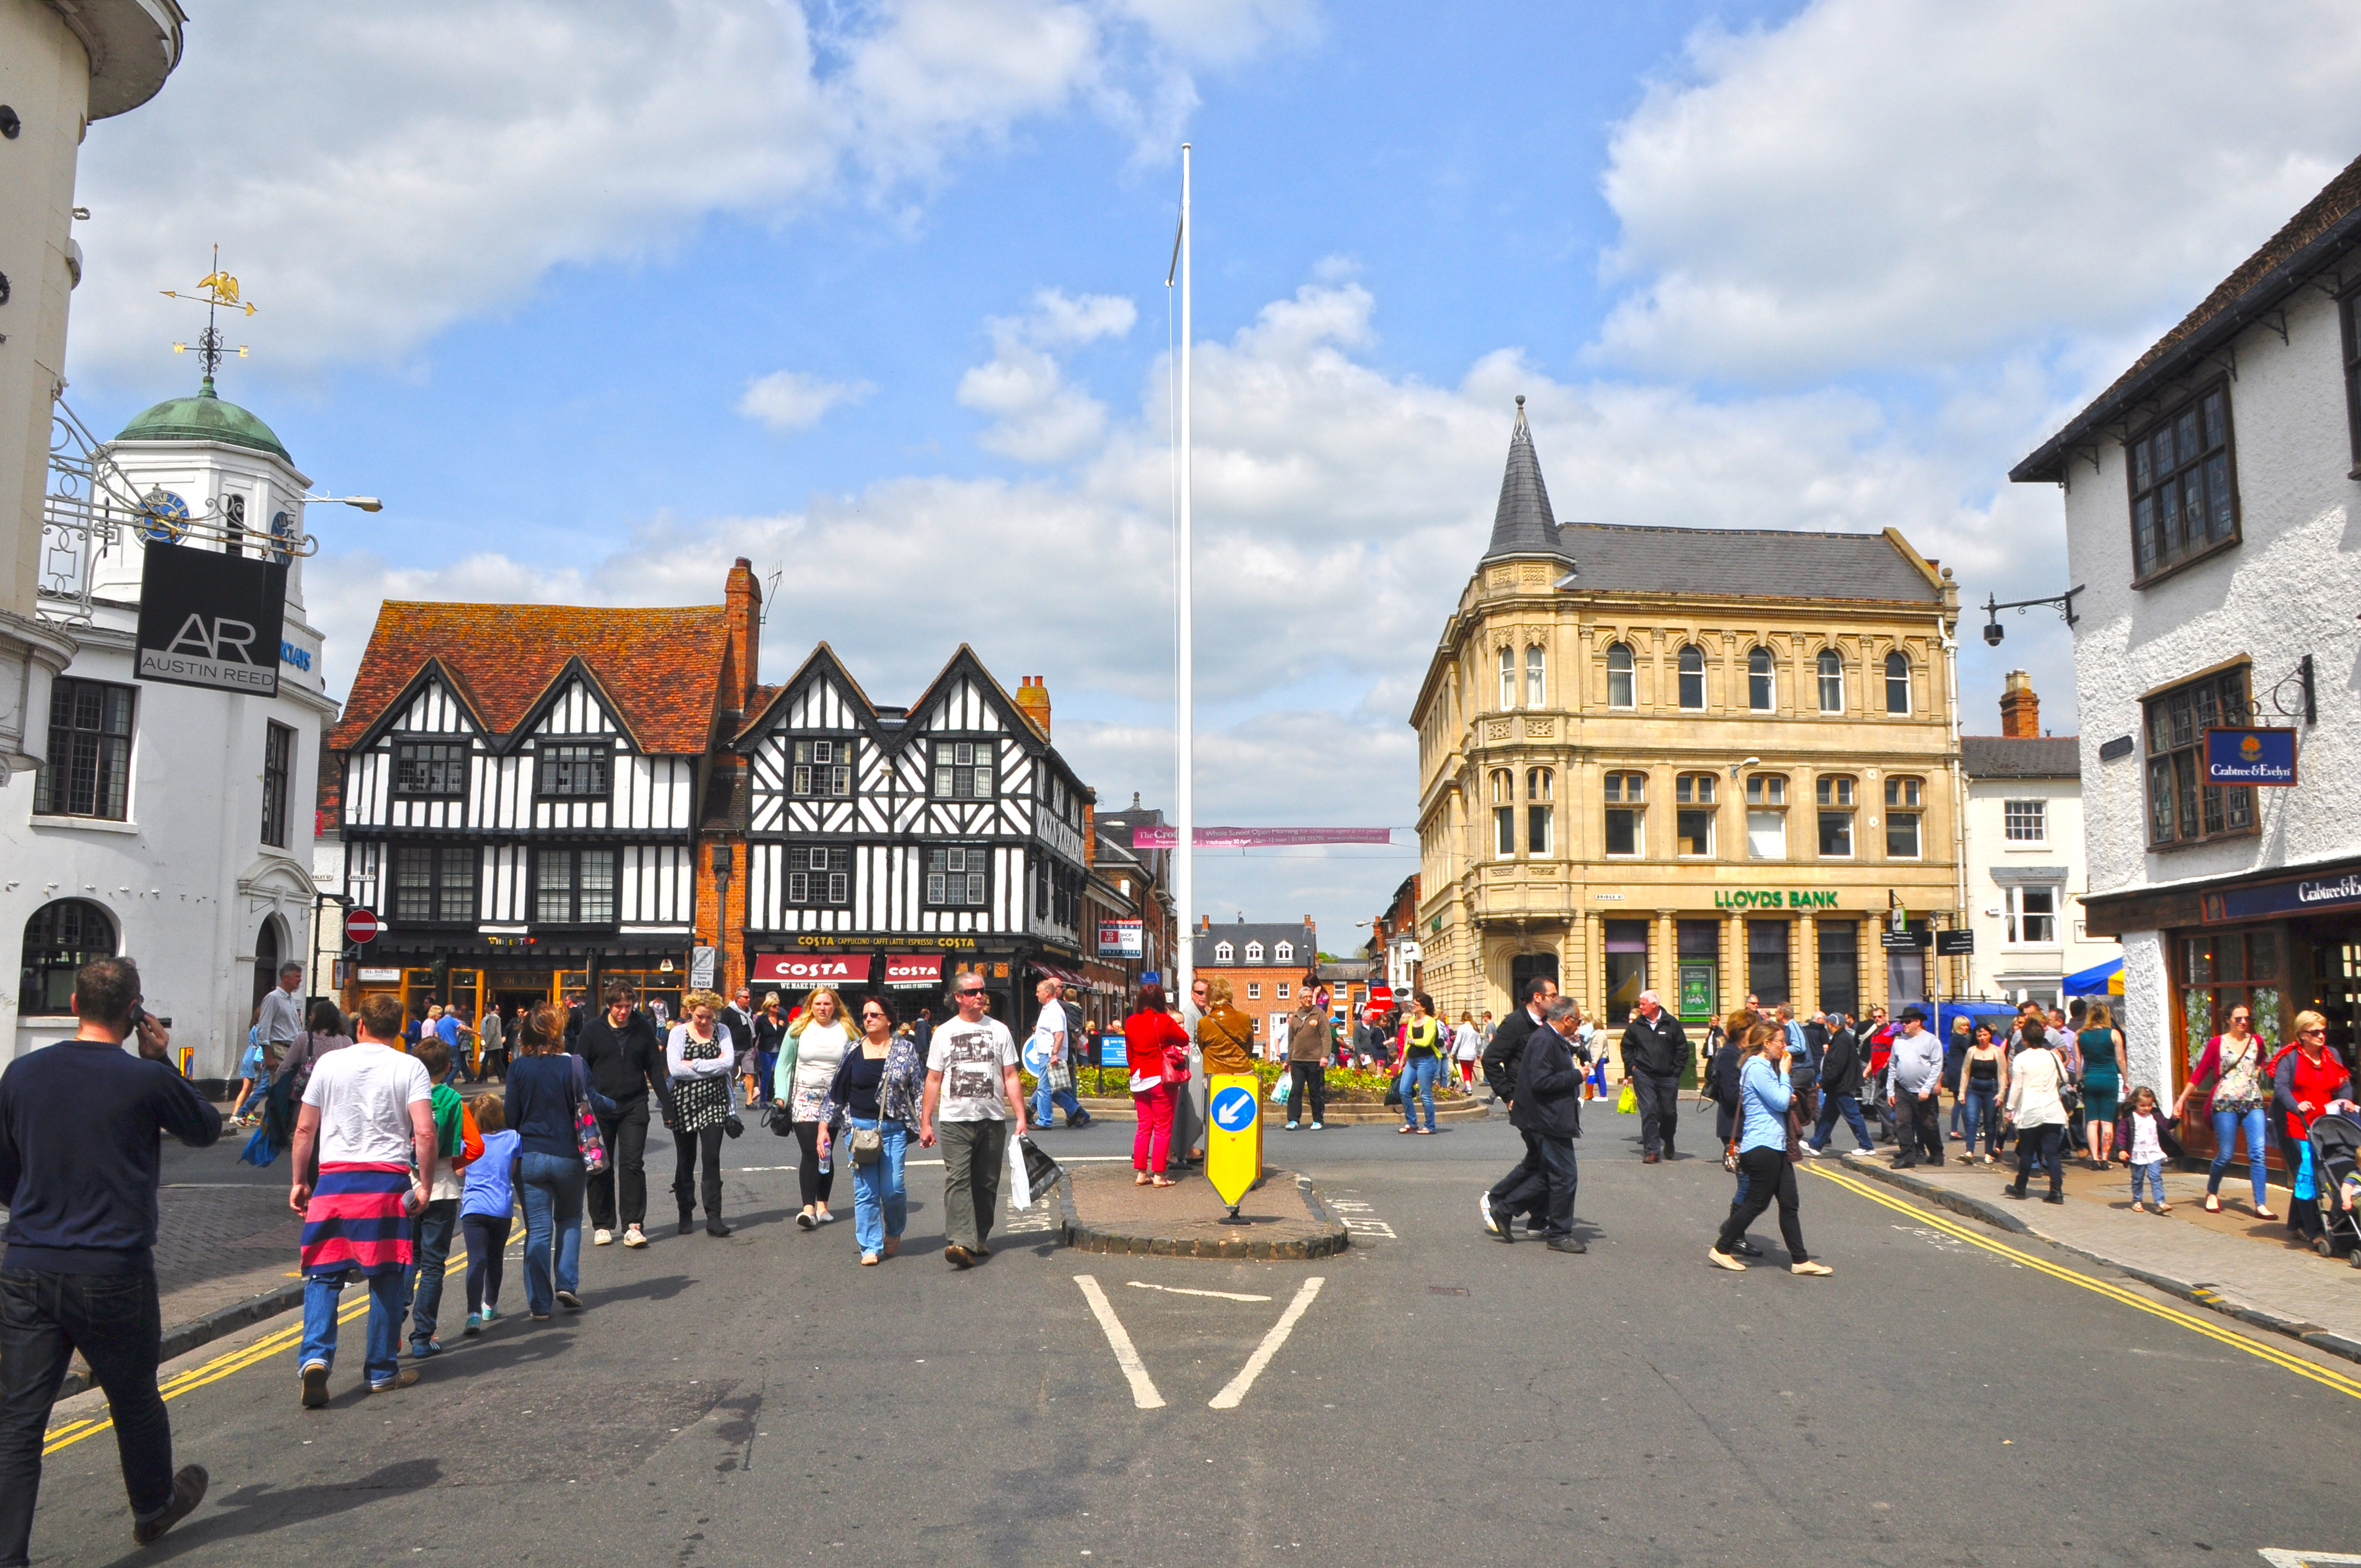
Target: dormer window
(1254, 952)
(1224, 953)
(430, 770)
(573, 773)
(1283, 953)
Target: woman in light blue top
(1764, 1142)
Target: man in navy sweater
(79, 1122)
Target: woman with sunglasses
(2305, 1081)
(876, 1091)
(2229, 1077)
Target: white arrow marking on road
(1184, 1290)
(1230, 1398)
(1143, 1387)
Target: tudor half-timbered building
(524, 788)
(898, 847)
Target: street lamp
(365, 503)
(1993, 630)
(1749, 763)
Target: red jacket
(1145, 1036)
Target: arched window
(1536, 684)
(59, 939)
(1897, 682)
(1508, 678)
(1692, 676)
(1254, 952)
(1758, 680)
(1504, 814)
(1832, 681)
(1224, 953)
(1619, 675)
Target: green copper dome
(205, 417)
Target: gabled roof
(660, 668)
(2016, 757)
(2328, 226)
(822, 661)
(1752, 563)
(1242, 932)
(1523, 524)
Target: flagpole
(1184, 879)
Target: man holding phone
(369, 1116)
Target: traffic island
(1285, 1218)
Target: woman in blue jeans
(876, 1089)
(544, 1089)
(1983, 1088)
(2229, 1077)
(1421, 1059)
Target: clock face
(163, 517)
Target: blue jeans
(1978, 1104)
(553, 1186)
(255, 1096)
(1418, 1077)
(879, 1206)
(1064, 1099)
(430, 1254)
(1831, 1107)
(388, 1303)
(2225, 1139)
(2154, 1171)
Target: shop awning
(801, 971)
(2098, 979)
(914, 971)
(1054, 972)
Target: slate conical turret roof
(1523, 525)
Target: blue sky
(1828, 265)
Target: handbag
(586, 1125)
(2070, 1089)
(1176, 1065)
(1393, 1090)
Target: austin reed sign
(210, 620)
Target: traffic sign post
(1232, 1138)
(360, 926)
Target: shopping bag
(1627, 1102)
(1020, 1186)
(258, 1151)
(1042, 1172)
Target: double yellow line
(2277, 1357)
(221, 1366)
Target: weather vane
(217, 289)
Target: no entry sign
(361, 926)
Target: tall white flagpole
(1184, 879)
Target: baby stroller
(2336, 1143)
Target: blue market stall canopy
(2098, 979)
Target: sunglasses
(2309, 1033)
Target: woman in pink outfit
(1148, 1035)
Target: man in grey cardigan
(1914, 1084)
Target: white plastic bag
(1020, 1189)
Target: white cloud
(1904, 182)
(789, 400)
(376, 174)
(1038, 418)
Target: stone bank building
(1705, 762)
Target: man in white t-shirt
(972, 1094)
(369, 1117)
(1048, 1056)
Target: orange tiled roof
(661, 668)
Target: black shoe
(1503, 1222)
(188, 1491)
(1566, 1243)
(688, 1224)
(569, 1301)
(2016, 1193)
(2055, 1198)
(1744, 1248)
(1905, 1164)
(714, 1227)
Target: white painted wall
(2291, 587)
(2000, 967)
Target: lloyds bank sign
(1775, 898)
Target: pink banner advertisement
(1155, 836)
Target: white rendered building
(2025, 861)
(2210, 499)
(172, 824)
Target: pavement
(1951, 1395)
(1105, 1209)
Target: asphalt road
(1442, 1398)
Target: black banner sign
(1950, 944)
(210, 620)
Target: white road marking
(1230, 1398)
(1143, 1387)
(1184, 1290)
(1068, 1160)
(2280, 1557)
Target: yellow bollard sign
(1233, 1137)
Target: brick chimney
(1033, 697)
(2020, 710)
(744, 598)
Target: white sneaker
(1317, 1126)
(635, 1236)
(602, 1238)
(1484, 1210)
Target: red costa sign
(812, 969)
(914, 971)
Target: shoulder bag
(586, 1139)
(2070, 1092)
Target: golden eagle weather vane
(216, 290)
